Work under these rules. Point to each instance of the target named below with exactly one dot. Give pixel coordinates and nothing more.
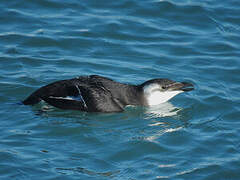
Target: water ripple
(195, 135)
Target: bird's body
(99, 94)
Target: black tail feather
(31, 100)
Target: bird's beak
(181, 86)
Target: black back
(95, 94)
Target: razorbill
(100, 94)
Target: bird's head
(157, 91)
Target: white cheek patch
(159, 97)
(155, 96)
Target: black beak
(187, 86)
(182, 86)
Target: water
(194, 136)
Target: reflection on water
(86, 171)
(162, 110)
(164, 118)
(155, 136)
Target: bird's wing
(65, 95)
(99, 99)
(62, 94)
(76, 95)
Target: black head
(168, 85)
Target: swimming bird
(100, 94)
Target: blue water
(194, 136)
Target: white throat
(154, 96)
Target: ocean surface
(194, 136)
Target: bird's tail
(31, 100)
